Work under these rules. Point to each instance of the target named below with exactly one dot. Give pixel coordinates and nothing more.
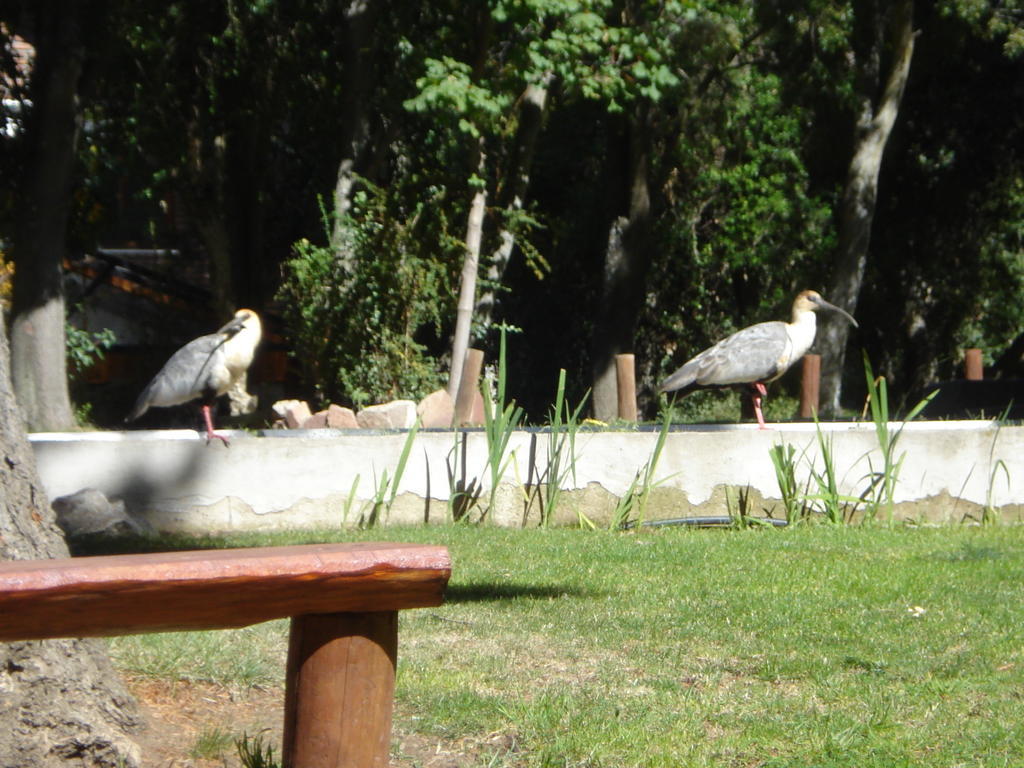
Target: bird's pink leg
(759, 392)
(210, 434)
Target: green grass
(812, 646)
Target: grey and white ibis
(204, 369)
(754, 356)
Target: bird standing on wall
(205, 368)
(756, 355)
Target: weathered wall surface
(177, 482)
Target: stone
(88, 512)
(317, 421)
(436, 410)
(294, 412)
(339, 417)
(398, 414)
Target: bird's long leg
(756, 395)
(210, 434)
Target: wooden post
(974, 366)
(625, 378)
(810, 383)
(339, 690)
(468, 385)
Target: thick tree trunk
(470, 265)
(61, 702)
(627, 261)
(874, 125)
(37, 325)
(355, 128)
(512, 196)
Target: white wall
(304, 479)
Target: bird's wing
(746, 356)
(192, 370)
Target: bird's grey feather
(186, 376)
(746, 356)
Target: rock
(398, 414)
(89, 513)
(341, 418)
(317, 421)
(294, 412)
(436, 410)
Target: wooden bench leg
(339, 690)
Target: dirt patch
(195, 725)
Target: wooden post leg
(339, 690)
(625, 379)
(468, 387)
(974, 364)
(810, 386)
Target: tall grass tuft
(386, 488)
(835, 506)
(880, 494)
(464, 491)
(254, 752)
(561, 456)
(635, 499)
(501, 419)
(794, 502)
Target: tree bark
(513, 195)
(470, 265)
(355, 128)
(61, 702)
(627, 262)
(874, 126)
(39, 363)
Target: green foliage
(354, 321)
(86, 348)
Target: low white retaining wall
(177, 482)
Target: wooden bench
(343, 601)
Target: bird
(755, 355)
(204, 369)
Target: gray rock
(89, 513)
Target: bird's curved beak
(232, 327)
(833, 308)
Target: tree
(877, 36)
(62, 704)
(37, 316)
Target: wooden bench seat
(342, 599)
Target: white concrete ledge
(176, 481)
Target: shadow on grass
(491, 591)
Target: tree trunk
(37, 319)
(627, 261)
(470, 265)
(874, 125)
(513, 195)
(61, 702)
(355, 129)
